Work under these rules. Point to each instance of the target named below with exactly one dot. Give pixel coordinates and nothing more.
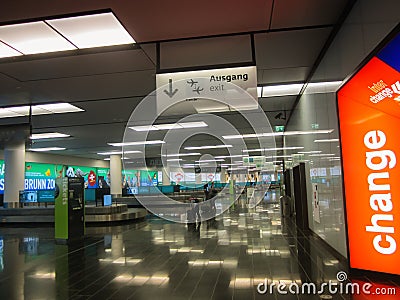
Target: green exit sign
(279, 128)
(314, 125)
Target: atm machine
(69, 209)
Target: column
(116, 175)
(14, 175)
(165, 176)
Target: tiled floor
(156, 259)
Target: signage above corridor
(200, 91)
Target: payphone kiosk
(69, 209)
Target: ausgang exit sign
(369, 114)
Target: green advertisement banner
(89, 175)
(103, 178)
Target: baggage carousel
(93, 214)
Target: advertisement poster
(190, 177)
(103, 178)
(148, 178)
(87, 173)
(177, 177)
(130, 178)
(206, 177)
(39, 176)
(316, 211)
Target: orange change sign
(369, 116)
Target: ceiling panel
(276, 104)
(209, 51)
(294, 13)
(282, 75)
(118, 85)
(78, 65)
(298, 48)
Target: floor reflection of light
(44, 275)
(156, 279)
(123, 278)
(184, 250)
(121, 260)
(241, 283)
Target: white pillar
(165, 176)
(14, 175)
(116, 175)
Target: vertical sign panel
(369, 114)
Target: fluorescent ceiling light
(273, 149)
(310, 152)
(181, 154)
(326, 141)
(34, 37)
(193, 124)
(93, 30)
(121, 158)
(322, 87)
(51, 108)
(169, 126)
(6, 51)
(232, 156)
(209, 160)
(155, 142)
(322, 154)
(119, 152)
(266, 134)
(48, 135)
(281, 90)
(208, 147)
(175, 159)
(59, 108)
(47, 149)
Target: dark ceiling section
(109, 82)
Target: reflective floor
(156, 259)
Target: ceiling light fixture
(48, 135)
(119, 152)
(266, 134)
(97, 30)
(274, 149)
(34, 37)
(42, 109)
(181, 154)
(47, 149)
(208, 160)
(208, 147)
(169, 126)
(326, 141)
(155, 142)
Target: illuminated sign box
(369, 115)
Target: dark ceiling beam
(349, 6)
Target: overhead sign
(199, 90)
(369, 112)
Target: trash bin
(285, 206)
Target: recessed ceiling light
(281, 90)
(232, 156)
(175, 159)
(6, 51)
(326, 141)
(169, 126)
(155, 142)
(310, 152)
(208, 147)
(322, 87)
(34, 37)
(47, 149)
(181, 154)
(266, 134)
(119, 152)
(59, 108)
(48, 135)
(322, 154)
(92, 30)
(121, 158)
(274, 149)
